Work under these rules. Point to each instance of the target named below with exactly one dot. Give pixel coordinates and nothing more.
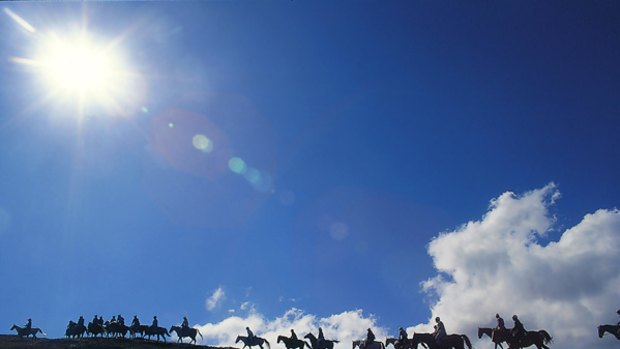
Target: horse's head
(14, 327)
(238, 339)
(601, 331)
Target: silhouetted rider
(370, 338)
(185, 324)
(80, 322)
(28, 324)
(121, 320)
(320, 339)
(402, 337)
(440, 331)
(293, 335)
(135, 322)
(250, 333)
(518, 331)
(500, 323)
(155, 322)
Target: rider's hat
(514, 317)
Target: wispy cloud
(215, 299)
(504, 263)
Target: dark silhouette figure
(293, 342)
(160, 332)
(95, 327)
(252, 341)
(315, 343)
(155, 322)
(538, 338)
(75, 330)
(456, 341)
(25, 332)
(612, 329)
(496, 337)
(518, 331)
(402, 344)
(188, 332)
(362, 344)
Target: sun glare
(79, 67)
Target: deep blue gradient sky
(375, 125)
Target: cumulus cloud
(215, 299)
(345, 327)
(504, 263)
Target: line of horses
(538, 338)
(116, 330)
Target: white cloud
(345, 327)
(215, 299)
(499, 264)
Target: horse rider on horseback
(121, 320)
(440, 331)
(293, 335)
(135, 322)
(518, 331)
(28, 324)
(370, 338)
(185, 324)
(113, 321)
(80, 322)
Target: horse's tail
(200, 334)
(546, 336)
(467, 341)
(40, 331)
(267, 342)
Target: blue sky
(364, 128)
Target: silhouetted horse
(613, 329)
(251, 342)
(162, 332)
(74, 330)
(116, 330)
(537, 338)
(456, 341)
(95, 330)
(490, 332)
(137, 329)
(398, 345)
(25, 332)
(185, 332)
(325, 344)
(293, 343)
(361, 343)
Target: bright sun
(76, 69)
(79, 68)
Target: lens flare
(202, 143)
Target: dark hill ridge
(15, 342)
